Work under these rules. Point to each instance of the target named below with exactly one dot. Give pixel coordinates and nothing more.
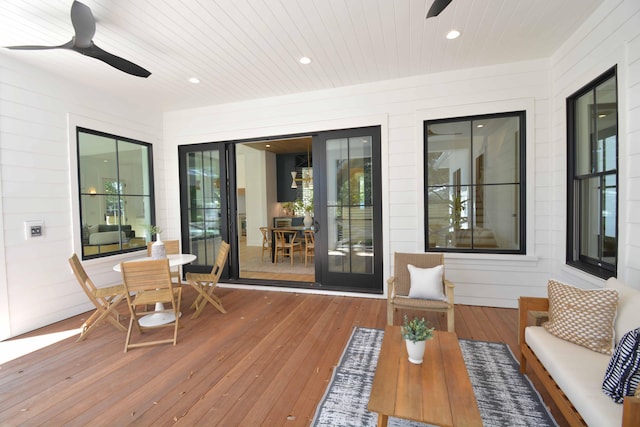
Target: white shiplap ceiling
(248, 49)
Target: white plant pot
(158, 250)
(415, 351)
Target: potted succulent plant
(416, 332)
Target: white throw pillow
(426, 283)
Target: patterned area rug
(505, 398)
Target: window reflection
(204, 207)
(115, 193)
(593, 153)
(473, 197)
(350, 205)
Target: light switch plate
(33, 229)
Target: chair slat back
(146, 275)
(221, 260)
(171, 247)
(420, 260)
(86, 283)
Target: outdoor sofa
(572, 374)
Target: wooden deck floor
(266, 362)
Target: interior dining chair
(266, 242)
(287, 245)
(171, 247)
(205, 284)
(104, 299)
(147, 283)
(309, 245)
(424, 288)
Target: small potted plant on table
(416, 332)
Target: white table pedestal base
(156, 319)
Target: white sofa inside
(578, 371)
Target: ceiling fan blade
(437, 7)
(67, 45)
(113, 60)
(84, 24)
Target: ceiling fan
(437, 7)
(84, 25)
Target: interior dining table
(161, 317)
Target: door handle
(316, 226)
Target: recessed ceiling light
(194, 80)
(268, 145)
(480, 126)
(453, 34)
(305, 60)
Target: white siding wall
(610, 37)
(400, 106)
(37, 286)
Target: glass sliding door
(233, 191)
(203, 203)
(348, 209)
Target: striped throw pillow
(583, 317)
(623, 373)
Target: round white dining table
(161, 317)
(174, 260)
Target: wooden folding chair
(206, 283)
(105, 300)
(150, 282)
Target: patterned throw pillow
(583, 317)
(623, 373)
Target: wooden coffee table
(436, 392)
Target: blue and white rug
(504, 396)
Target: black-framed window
(592, 177)
(474, 183)
(115, 178)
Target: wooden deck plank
(96, 382)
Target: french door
(348, 209)
(204, 203)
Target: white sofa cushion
(578, 372)
(628, 317)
